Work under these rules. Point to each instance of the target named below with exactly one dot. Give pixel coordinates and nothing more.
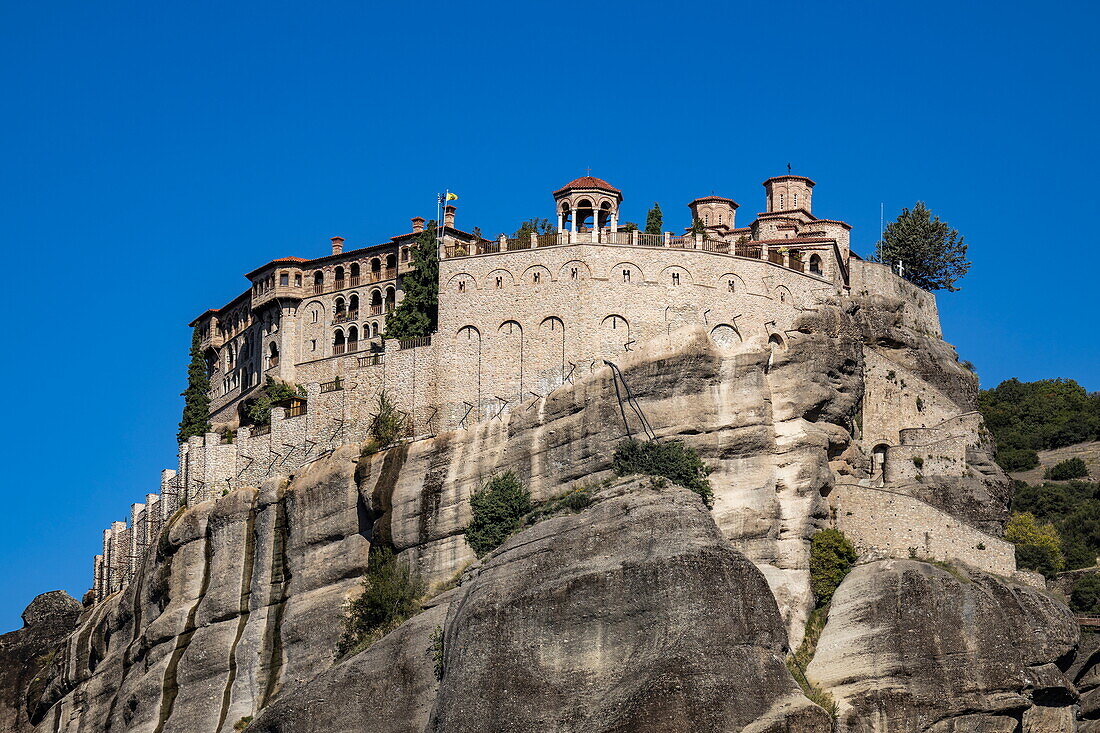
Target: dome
(588, 182)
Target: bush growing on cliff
(388, 424)
(673, 460)
(1085, 596)
(1068, 469)
(391, 593)
(498, 509)
(1038, 546)
(831, 557)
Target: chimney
(337, 245)
(449, 216)
(418, 224)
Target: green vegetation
(697, 227)
(391, 593)
(533, 226)
(1038, 546)
(258, 408)
(1085, 596)
(503, 507)
(417, 315)
(932, 254)
(498, 509)
(1068, 469)
(243, 723)
(1073, 509)
(387, 425)
(1025, 417)
(800, 659)
(831, 557)
(654, 220)
(673, 460)
(196, 398)
(437, 651)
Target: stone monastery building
(517, 319)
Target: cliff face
(644, 609)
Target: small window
(284, 279)
(719, 220)
(706, 219)
(572, 273)
(316, 315)
(675, 278)
(462, 286)
(730, 285)
(500, 282)
(626, 276)
(536, 277)
(298, 279)
(313, 345)
(780, 201)
(796, 199)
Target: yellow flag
(452, 197)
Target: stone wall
(874, 278)
(884, 520)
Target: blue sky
(154, 152)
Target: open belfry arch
(589, 205)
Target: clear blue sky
(154, 152)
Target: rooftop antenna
(881, 229)
(588, 171)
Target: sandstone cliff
(644, 611)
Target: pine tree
(196, 398)
(932, 254)
(417, 314)
(654, 220)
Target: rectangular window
(284, 279)
(500, 282)
(626, 276)
(573, 273)
(536, 277)
(675, 278)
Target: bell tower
(789, 193)
(592, 207)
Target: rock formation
(644, 611)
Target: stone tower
(789, 193)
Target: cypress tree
(196, 398)
(654, 220)
(932, 254)
(417, 314)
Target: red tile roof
(715, 198)
(275, 262)
(588, 182)
(789, 178)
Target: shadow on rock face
(633, 615)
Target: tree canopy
(1025, 417)
(1073, 509)
(1038, 545)
(196, 398)
(417, 314)
(932, 254)
(654, 220)
(533, 226)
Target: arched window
(391, 299)
(391, 265)
(353, 338)
(339, 344)
(339, 277)
(815, 264)
(374, 329)
(781, 201)
(272, 355)
(318, 281)
(341, 309)
(376, 302)
(353, 306)
(297, 279)
(375, 270)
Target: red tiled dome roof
(588, 182)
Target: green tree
(417, 314)
(1040, 415)
(1067, 469)
(391, 593)
(932, 254)
(258, 408)
(673, 460)
(1038, 546)
(533, 226)
(498, 509)
(387, 424)
(831, 557)
(654, 220)
(697, 227)
(1085, 596)
(196, 398)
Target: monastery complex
(519, 318)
